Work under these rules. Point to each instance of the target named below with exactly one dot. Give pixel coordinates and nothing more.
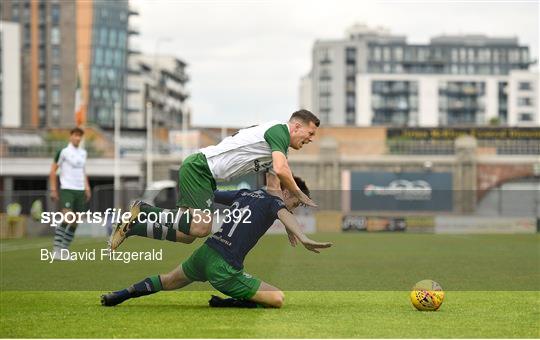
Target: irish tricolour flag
(79, 102)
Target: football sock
(59, 236)
(68, 236)
(166, 230)
(153, 230)
(148, 286)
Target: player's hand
(87, 194)
(292, 239)
(314, 246)
(305, 200)
(54, 195)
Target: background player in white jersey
(254, 149)
(75, 191)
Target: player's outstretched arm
(292, 226)
(284, 173)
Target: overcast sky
(246, 57)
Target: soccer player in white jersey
(75, 192)
(258, 148)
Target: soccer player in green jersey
(75, 192)
(220, 259)
(258, 148)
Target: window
(55, 14)
(351, 101)
(422, 54)
(98, 56)
(324, 102)
(324, 87)
(471, 55)
(398, 53)
(103, 36)
(482, 55)
(325, 74)
(325, 56)
(526, 117)
(386, 54)
(524, 55)
(55, 74)
(513, 56)
(42, 76)
(121, 38)
(112, 38)
(350, 85)
(376, 53)
(524, 101)
(42, 55)
(108, 57)
(27, 35)
(351, 55)
(55, 53)
(26, 12)
(15, 12)
(42, 13)
(42, 34)
(525, 86)
(463, 55)
(118, 57)
(454, 55)
(55, 95)
(55, 35)
(55, 112)
(41, 95)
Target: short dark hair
(301, 184)
(305, 116)
(77, 130)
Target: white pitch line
(8, 248)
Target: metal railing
(388, 147)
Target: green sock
(155, 231)
(184, 223)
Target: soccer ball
(427, 295)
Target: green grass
(306, 314)
(358, 288)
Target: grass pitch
(358, 288)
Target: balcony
(133, 10)
(133, 29)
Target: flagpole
(117, 184)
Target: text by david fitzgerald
(103, 254)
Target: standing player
(74, 188)
(253, 149)
(220, 259)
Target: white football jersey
(248, 150)
(71, 162)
